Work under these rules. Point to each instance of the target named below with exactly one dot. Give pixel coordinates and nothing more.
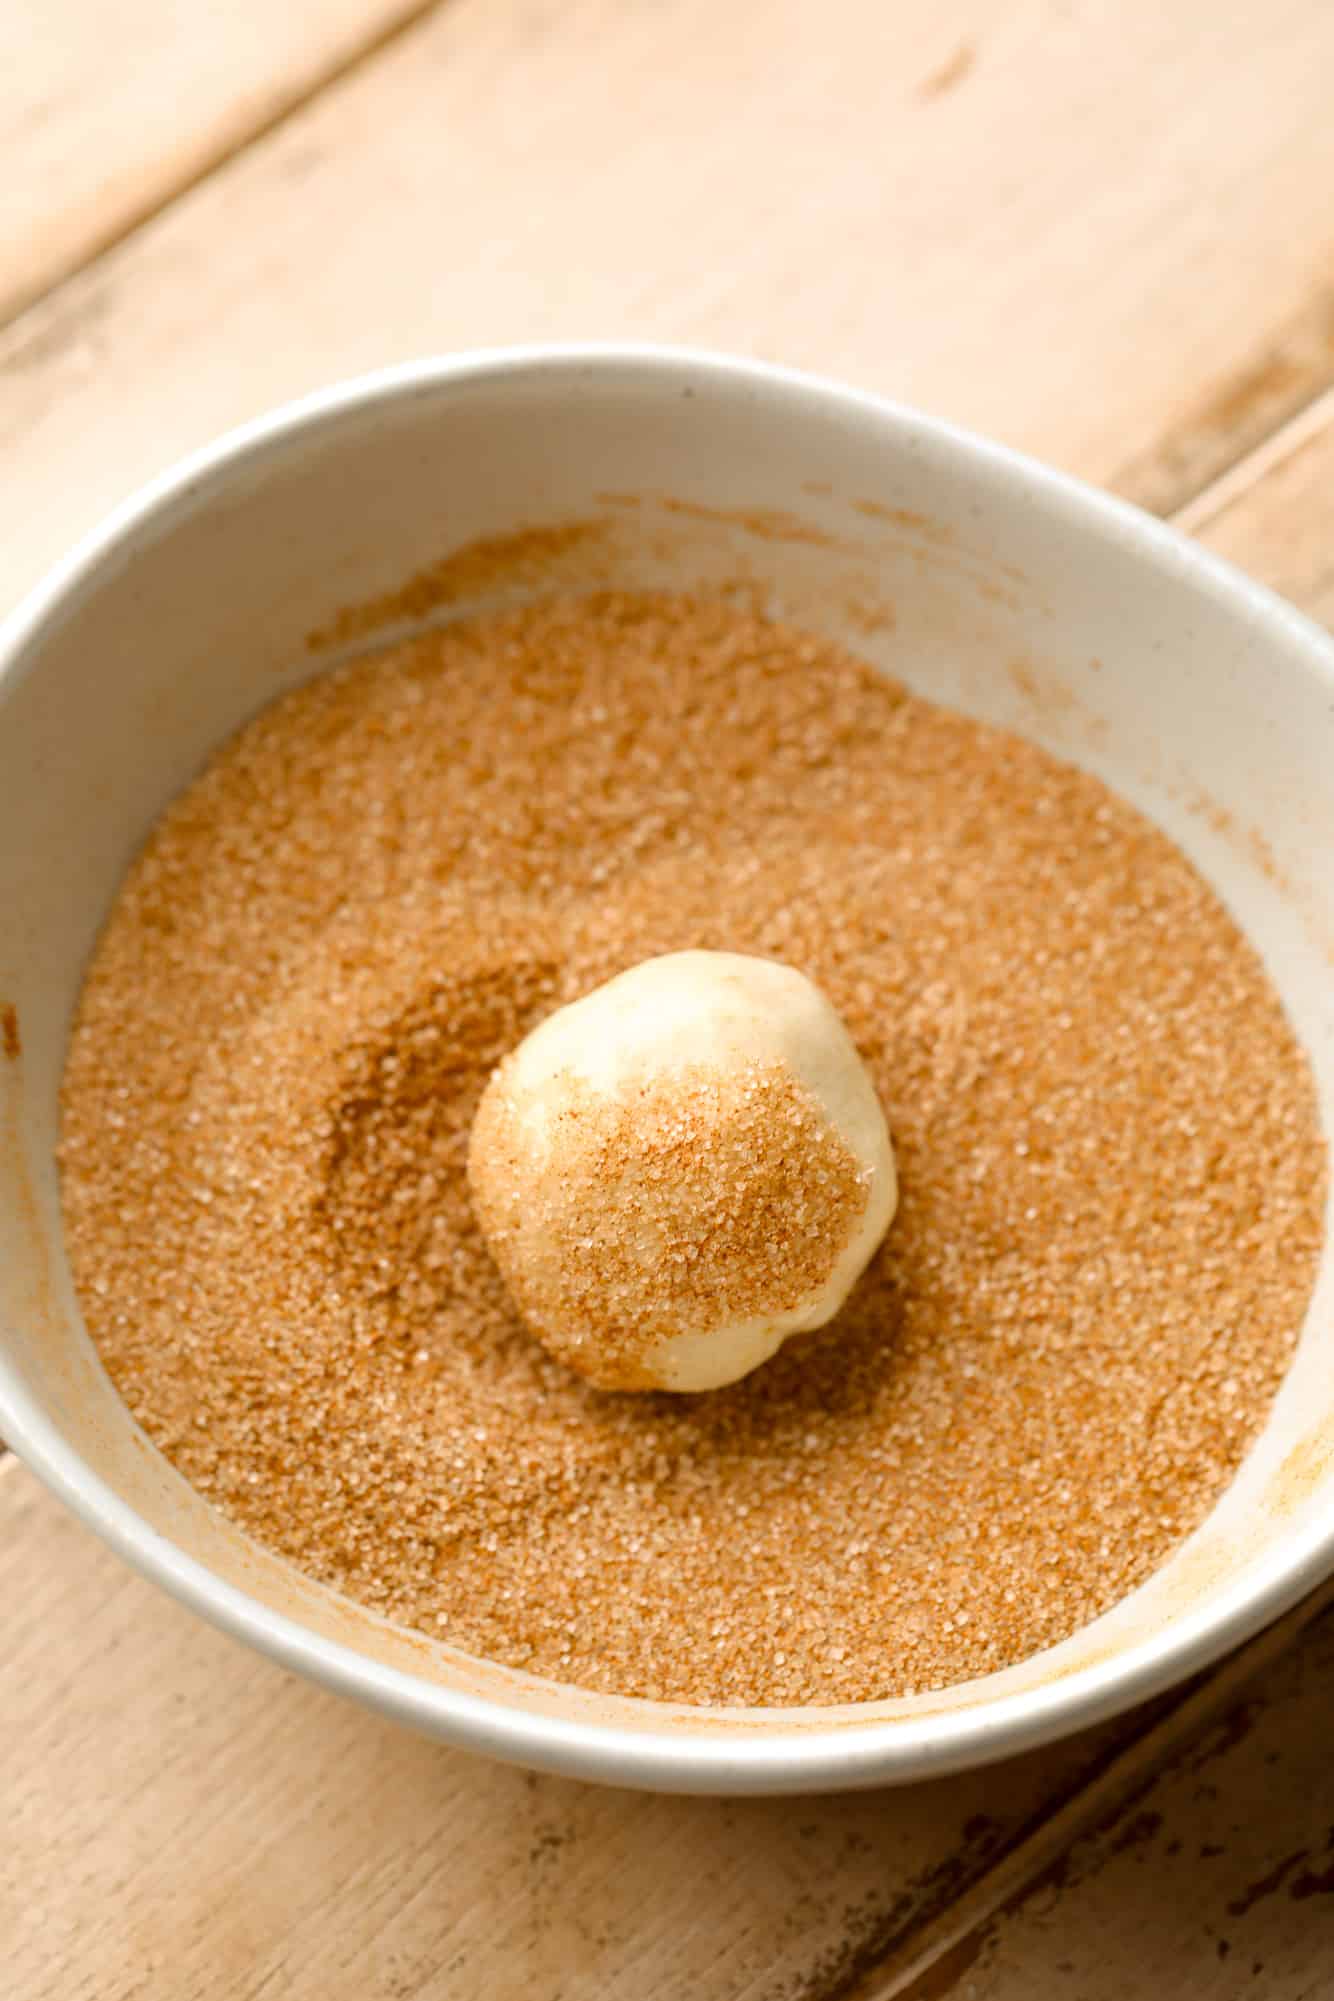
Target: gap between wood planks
(1268, 458)
(1228, 430)
(922, 1967)
(99, 243)
(965, 232)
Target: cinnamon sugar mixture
(1112, 1174)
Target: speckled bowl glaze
(1017, 595)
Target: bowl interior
(1008, 595)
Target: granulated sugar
(1112, 1175)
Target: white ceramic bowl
(1018, 595)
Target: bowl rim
(771, 1754)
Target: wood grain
(1214, 1881)
(1054, 220)
(106, 112)
(931, 1957)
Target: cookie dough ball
(681, 1169)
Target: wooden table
(1103, 232)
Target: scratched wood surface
(1056, 220)
(1213, 1880)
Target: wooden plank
(936, 1951)
(111, 107)
(183, 1818)
(1215, 1881)
(1010, 214)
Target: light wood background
(1103, 232)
